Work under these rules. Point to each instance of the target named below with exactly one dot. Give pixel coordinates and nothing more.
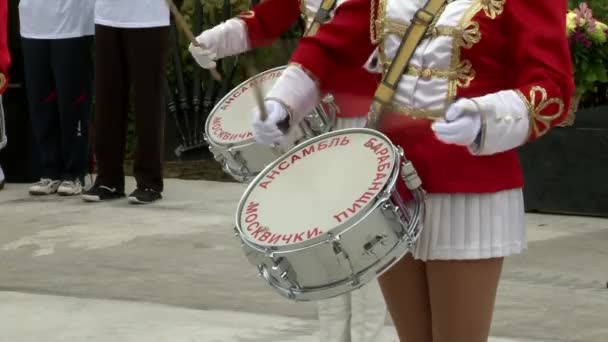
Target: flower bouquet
(588, 40)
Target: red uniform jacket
(5, 57)
(515, 45)
(352, 87)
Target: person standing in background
(132, 45)
(57, 38)
(5, 61)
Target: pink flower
(584, 15)
(584, 11)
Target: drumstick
(179, 19)
(259, 98)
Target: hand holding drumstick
(181, 22)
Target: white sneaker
(70, 188)
(44, 187)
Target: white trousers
(358, 316)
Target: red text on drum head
(263, 234)
(383, 167)
(241, 90)
(303, 153)
(218, 131)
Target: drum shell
(320, 273)
(243, 160)
(315, 269)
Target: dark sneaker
(144, 196)
(100, 193)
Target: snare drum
(326, 217)
(228, 128)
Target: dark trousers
(126, 57)
(59, 77)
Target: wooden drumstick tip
(181, 22)
(259, 98)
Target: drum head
(316, 187)
(229, 121)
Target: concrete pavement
(172, 271)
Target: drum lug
(308, 131)
(281, 267)
(333, 110)
(335, 244)
(371, 245)
(388, 208)
(340, 252)
(238, 158)
(322, 122)
(280, 272)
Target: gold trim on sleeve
(537, 102)
(493, 8)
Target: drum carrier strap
(414, 34)
(322, 16)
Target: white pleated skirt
(467, 226)
(472, 226)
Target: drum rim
(380, 198)
(218, 104)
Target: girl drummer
(360, 315)
(489, 76)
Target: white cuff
(226, 39)
(296, 90)
(505, 122)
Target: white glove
(266, 132)
(226, 39)
(205, 57)
(462, 124)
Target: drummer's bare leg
(335, 319)
(368, 313)
(462, 295)
(406, 293)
